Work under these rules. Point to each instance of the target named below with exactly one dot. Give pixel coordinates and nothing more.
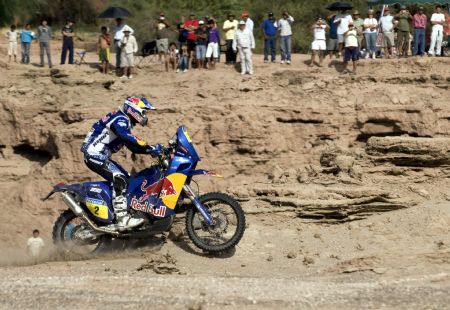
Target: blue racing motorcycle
(215, 222)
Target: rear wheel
(228, 223)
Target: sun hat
(241, 23)
(126, 29)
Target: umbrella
(114, 12)
(337, 6)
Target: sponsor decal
(95, 190)
(95, 201)
(146, 207)
(163, 187)
(122, 124)
(134, 114)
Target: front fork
(192, 197)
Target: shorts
(351, 54)
(104, 55)
(200, 52)
(12, 48)
(126, 60)
(341, 38)
(388, 39)
(213, 49)
(333, 44)
(191, 45)
(162, 45)
(319, 45)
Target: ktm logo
(163, 187)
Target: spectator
(173, 56)
(182, 34)
(351, 51)
(249, 25)
(118, 36)
(370, 34)
(104, 42)
(191, 25)
(437, 31)
(162, 38)
(12, 36)
(213, 44)
(387, 27)
(44, 37)
(202, 41)
(183, 65)
(358, 23)
(284, 25)
(68, 34)
(403, 30)
(419, 24)
(35, 245)
(333, 43)
(447, 25)
(128, 48)
(270, 29)
(244, 42)
(230, 26)
(342, 20)
(26, 37)
(319, 45)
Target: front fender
(208, 173)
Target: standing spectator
(202, 41)
(44, 37)
(230, 26)
(342, 21)
(244, 42)
(437, 31)
(270, 29)
(182, 33)
(213, 44)
(249, 25)
(419, 24)
(128, 47)
(173, 56)
(447, 25)
(403, 30)
(118, 36)
(26, 37)
(35, 245)
(191, 25)
(358, 23)
(162, 38)
(387, 27)
(284, 25)
(370, 34)
(319, 45)
(333, 43)
(351, 51)
(68, 34)
(183, 65)
(12, 36)
(104, 42)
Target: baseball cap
(201, 22)
(241, 22)
(270, 14)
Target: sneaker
(374, 56)
(273, 61)
(130, 77)
(251, 73)
(288, 62)
(178, 70)
(185, 70)
(123, 77)
(266, 61)
(282, 62)
(242, 73)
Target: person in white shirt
(35, 245)
(248, 21)
(342, 20)
(244, 42)
(437, 32)
(370, 27)
(118, 36)
(284, 26)
(387, 23)
(351, 51)
(12, 36)
(319, 45)
(128, 46)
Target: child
(351, 51)
(129, 47)
(26, 37)
(172, 58)
(104, 42)
(319, 44)
(213, 44)
(184, 59)
(12, 40)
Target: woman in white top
(437, 32)
(370, 34)
(319, 45)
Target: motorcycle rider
(108, 136)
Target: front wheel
(227, 228)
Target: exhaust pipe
(78, 210)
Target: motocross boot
(124, 220)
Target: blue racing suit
(108, 136)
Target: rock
(269, 258)
(309, 86)
(291, 255)
(71, 116)
(308, 261)
(201, 95)
(176, 233)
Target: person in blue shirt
(333, 42)
(26, 37)
(270, 28)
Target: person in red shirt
(191, 25)
(420, 24)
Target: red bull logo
(148, 208)
(163, 187)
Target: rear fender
(62, 187)
(207, 173)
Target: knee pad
(120, 183)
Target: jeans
(45, 47)
(286, 42)
(26, 52)
(200, 52)
(419, 41)
(184, 63)
(269, 44)
(371, 42)
(67, 47)
(437, 36)
(230, 55)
